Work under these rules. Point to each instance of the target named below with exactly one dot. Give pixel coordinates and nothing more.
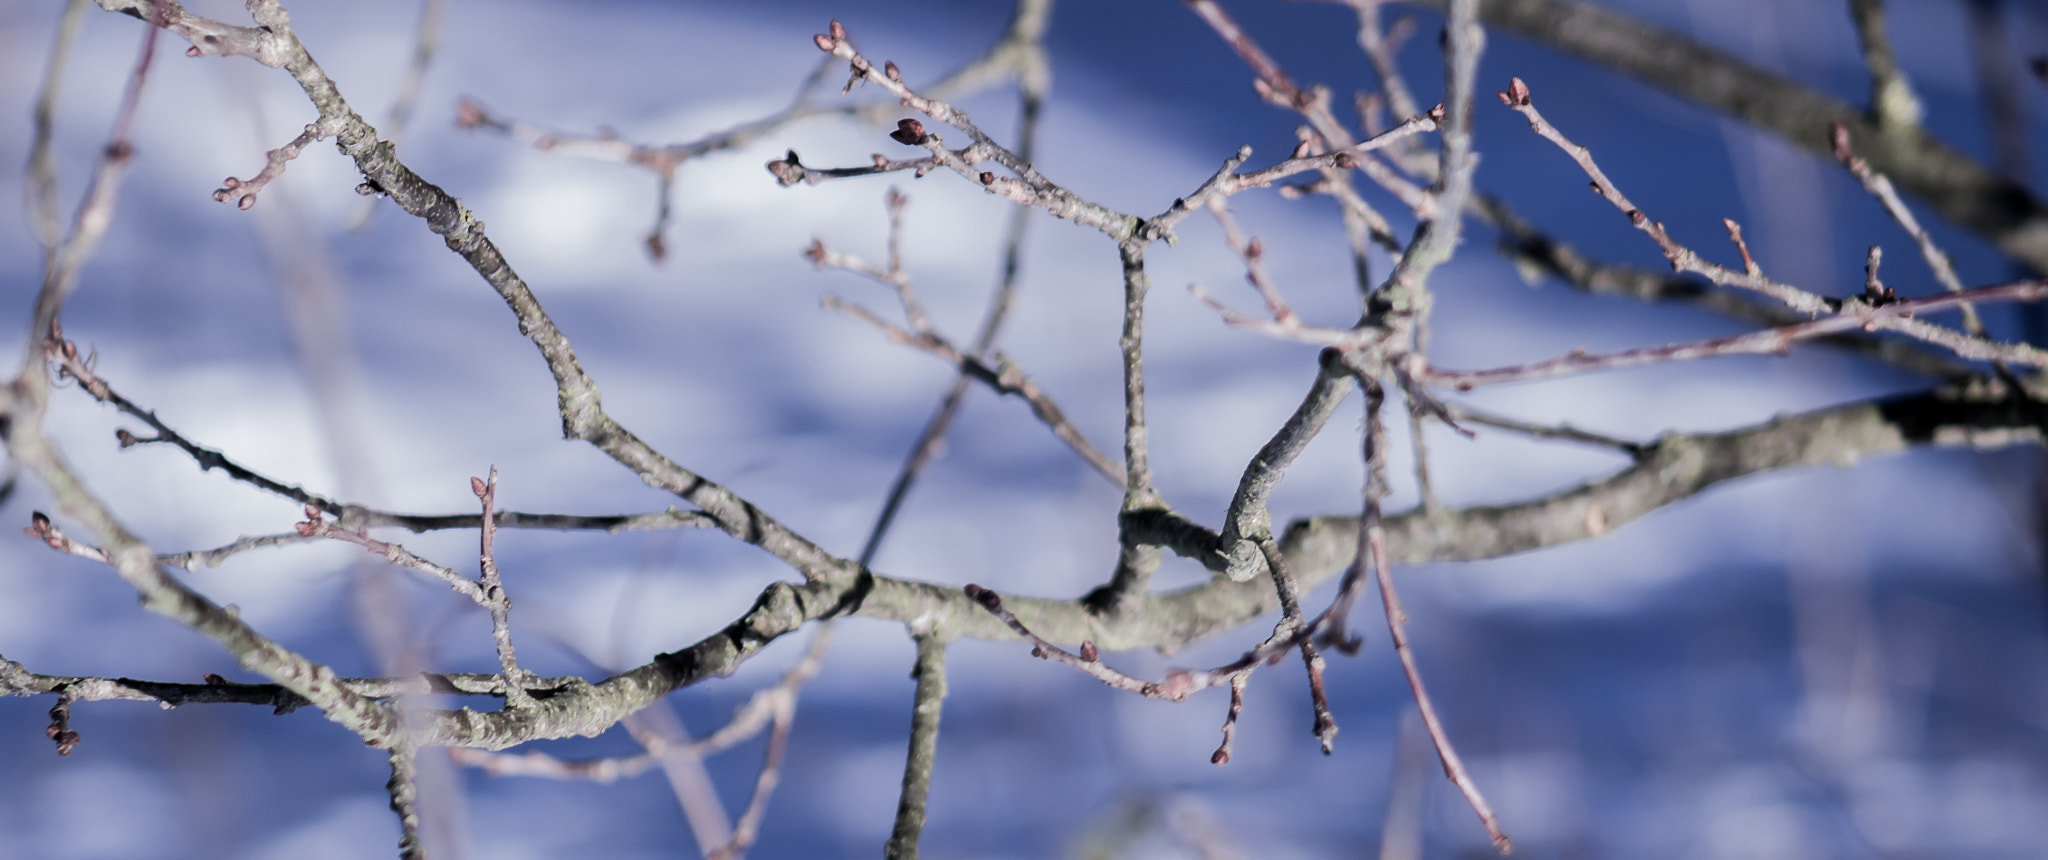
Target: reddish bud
(476, 485)
(788, 171)
(657, 247)
(468, 114)
(194, 52)
(213, 680)
(985, 597)
(1177, 685)
(248, 200)
(306, 529)
(1636, 217)
(1518, 90)
(838, 31)
(1221, 757)
(909, 132)
(816, 252)
(312, 512)
(889, 68)
(1089, 653)
(988, 178)
(1346, 160)
(1254, 248)
(125, 438)
(824, 42)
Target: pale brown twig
(1881, 188)
(1566, 432)
(1373, 555)
(492, 594)
(749, 825)
(1855, 314)
(1682, 258)
(1237, 683)
(1004, 377)
(40, 191)
(316, 526)
(242, 192)
(1031, 91)
(663, 160)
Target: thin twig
(73, 365)
(493, 596)
(16, 680)
(404, 789)
(40, 191)
(1237, 683)
(1325, 725)
(1373, 554)
(1544, 431)
(1005, 378)
(1881, 188)
(316, 526)
(1535, 253)
(1517, 97)
(662, 160)
(1031, 96)
(929, 705)
(749, 826)
(1856, 314)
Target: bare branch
(1962, 190)
(1005, 378)
(404, 789)
(426, 39)
(1856, 314)
(1373, 554)
(491, 593)
(928, 703)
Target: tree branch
(928, 703)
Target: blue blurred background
(1821, 663)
